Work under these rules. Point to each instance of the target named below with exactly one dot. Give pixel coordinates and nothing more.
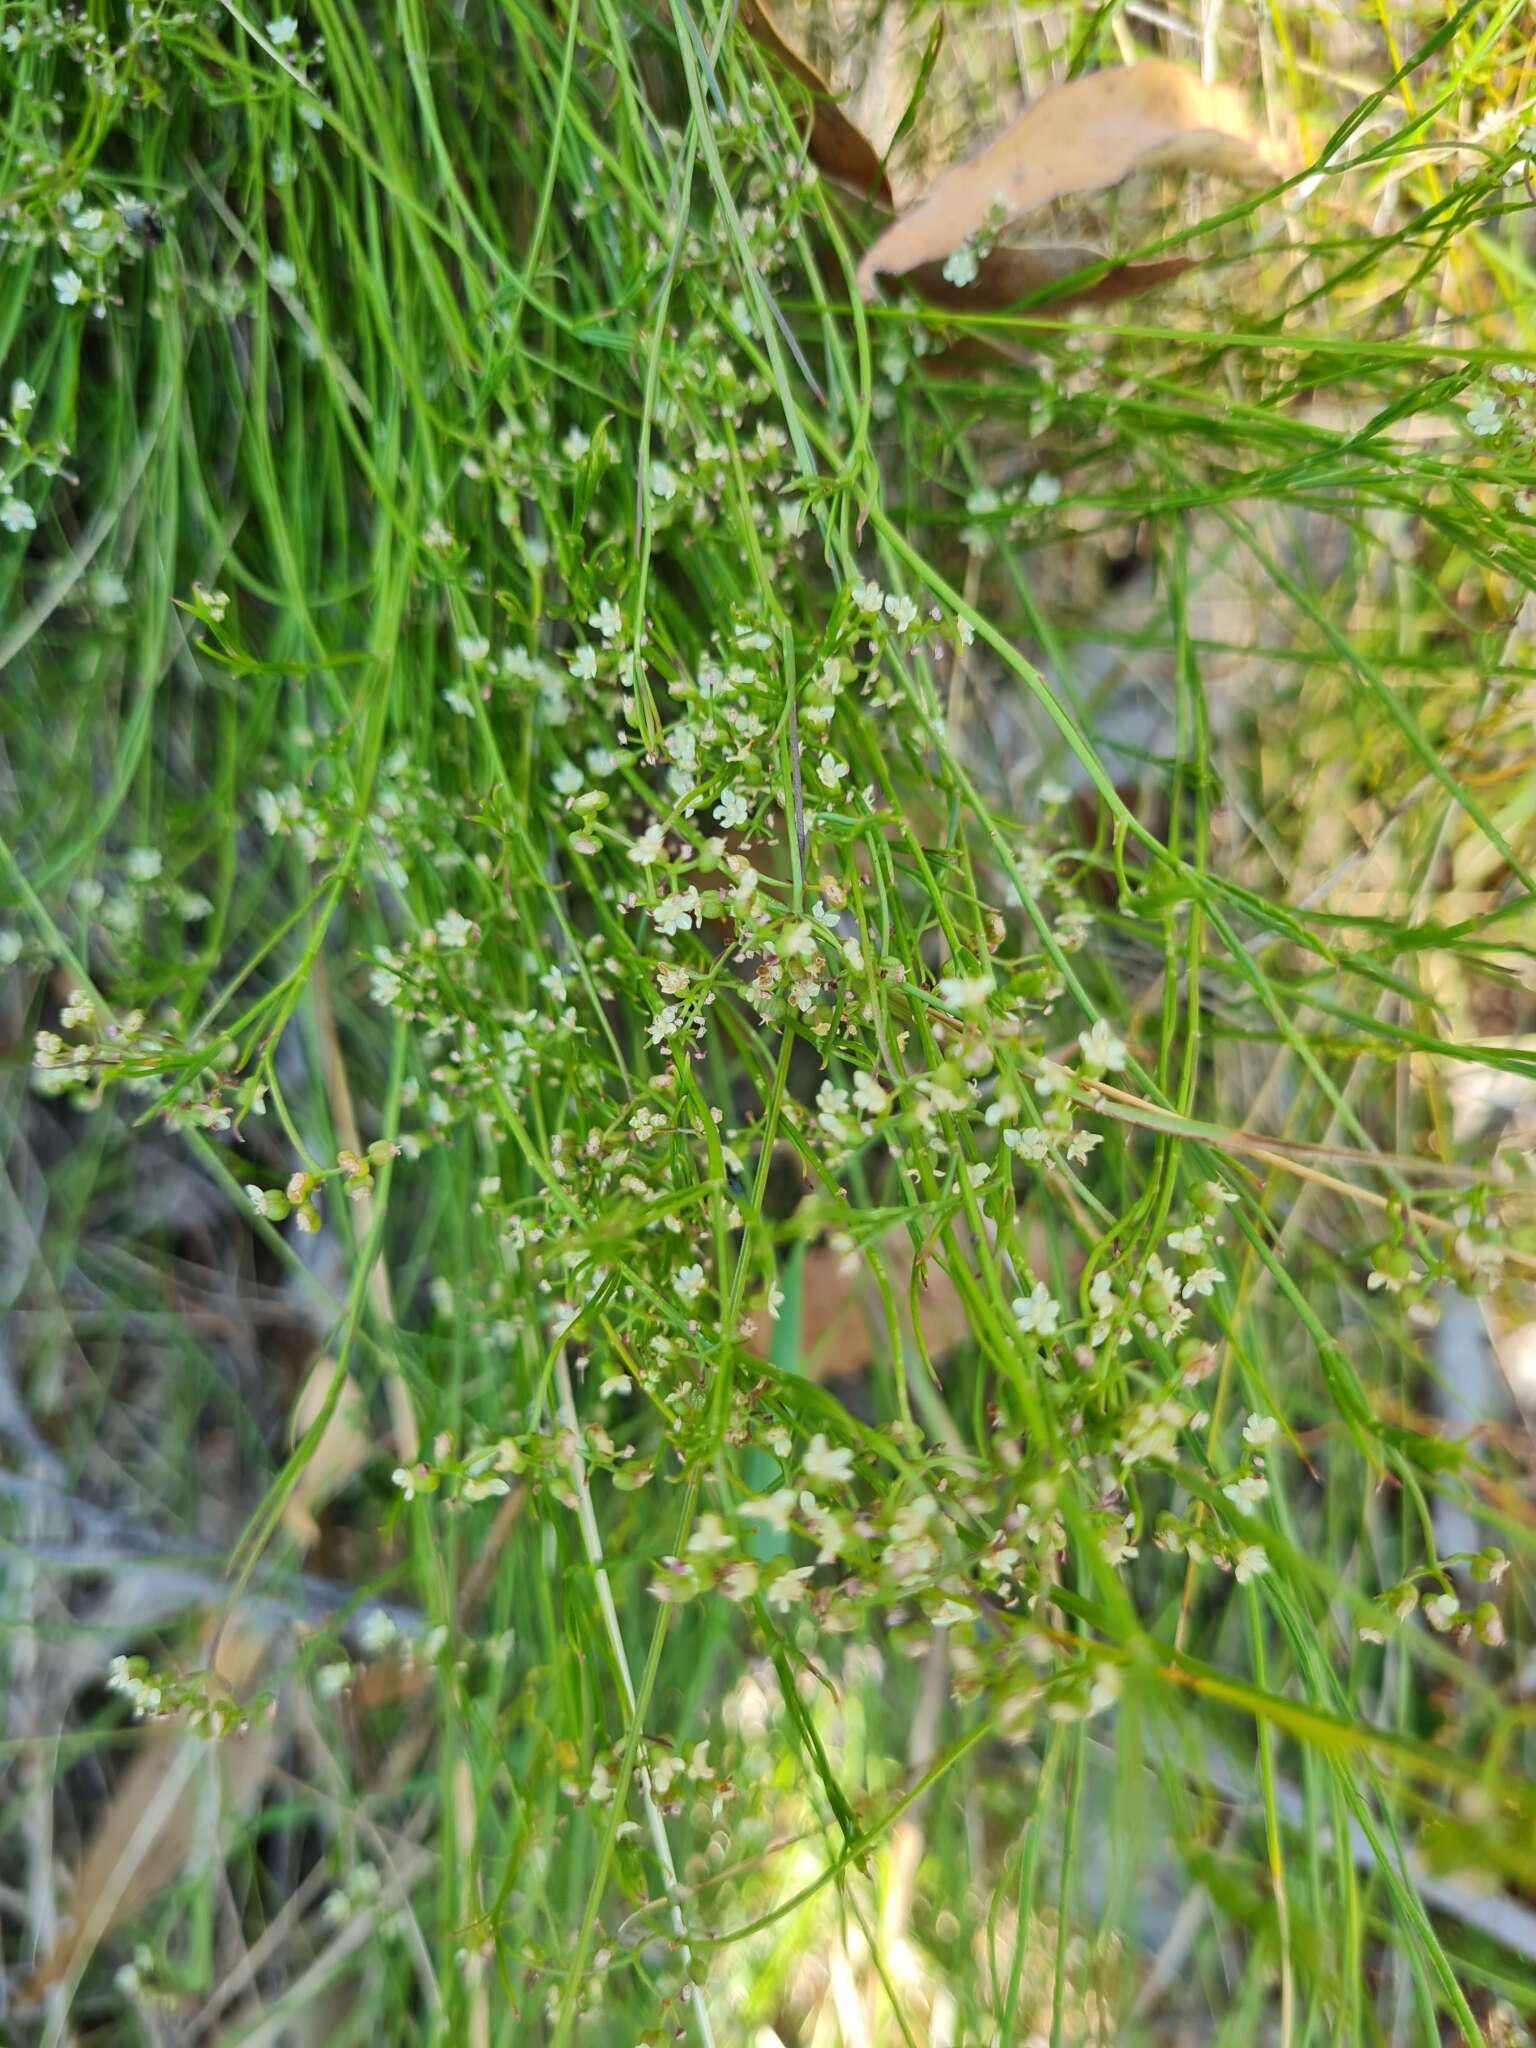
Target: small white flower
(1441, 1612)
(710, 1536)
(575, 445)
(473, 648)
(830, 771)
(788, 1589)
(282, 275)
(23, 398)
(1031, 1144)
(1044, 489)
(16, 515)
(1037, 1314)
(677, 913)
(961, 265)
(689, 1282)
(1101, 1049)
(663, 482)
(773, 1508)
(1250, 1563)
(902, 613)
(607, 620)
(869, 597)
(68, 286)
(1485, 416)
(282, 29)
(142, 863)
(583, 664)
(1247, 1493)
(965, 991)
(731, 811)
(870, 1099)
(1260, 1430)
(376, 1632)
(832, 1466)
(454, 931)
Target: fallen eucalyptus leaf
(837, 147)
(1081, 137)
(1004, 276)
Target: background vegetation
(768, 1098)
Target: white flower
(68, 287)
(142, 863)
(664, 1024)
(282, 29)
(870, 1099)
(16, 515)
(1031, 1144)
(677, 913)
(454, 931)
(376, 1632)
(731, 811)
(1039, 1314)
(1247, 1493)
(1044, 489)
(23, 397)
(647, 849)
(1485, 416)
(773, 1508)
(575, 444)
(689, 1282)
(830, 771)
(834, 1467)
(710, 1536)
(282, 275)
(869, 597)
(1250, 1563)
(788, 1588)
(1101, 1048)
(663, 482)
(902, 613)
(961, 266)
(1441, 1612)
(1260, 1430)
(607, 620)
(473, 648)
(965, 991)
(583, 664)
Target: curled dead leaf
(1005, 276)
(837, 146)
(842, 1322)
(1084, 136)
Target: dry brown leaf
(837, 146)
(1007, 275)
(156, 1820)
(344, 1448)
(1081, 137)
(842, 1321)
